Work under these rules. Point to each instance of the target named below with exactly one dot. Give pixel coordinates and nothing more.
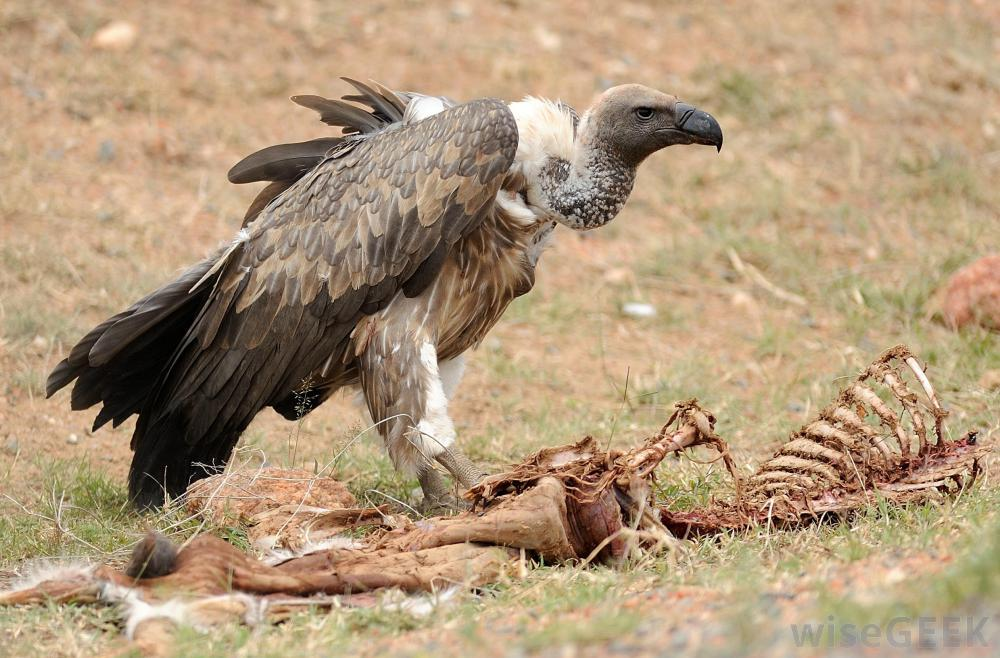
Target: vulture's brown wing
(362, 226)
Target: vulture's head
(588, 186)
(634, 121)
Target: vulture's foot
(438, 496)
(446, 505)
(461, 468)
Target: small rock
(990, 380)
(895, 576)
(39, 342)
(460, 12)
(116, 35)
(972, 295)
(743, 300)
(639, 310)
(32, 92)
(72, 439)
(106, 151)
(10, 445)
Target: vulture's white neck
(568, 177)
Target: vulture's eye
(644, 113)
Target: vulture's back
(374, 216)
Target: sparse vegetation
(859, 171)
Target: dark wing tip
(61, 375)
(282, 162)
(307, 100)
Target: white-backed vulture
(376, 258)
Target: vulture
(373, 259)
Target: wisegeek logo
(899, 632)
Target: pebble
(116, 35)
(460, 12)
(10, 445)
(106, 151)
(639, 310)
(72, 439)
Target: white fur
(419, 605)
(273, 554)
(190, 612)
(435, 431)
(36, 572)
(138, 611)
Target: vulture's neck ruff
(580, 173)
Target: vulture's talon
(444, 505)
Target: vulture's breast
(484, 273)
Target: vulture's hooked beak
(700, 127)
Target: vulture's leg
(407, 398)
(460, 467)
(454, 461)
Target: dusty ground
(860, 167)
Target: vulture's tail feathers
(207, 396)
(162, 465)
(117, 363)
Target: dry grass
(862, 153)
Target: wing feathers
(335, 112)
(282, 162)
(385, 104)
(338, 243)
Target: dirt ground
(860, 166)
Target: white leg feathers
(434, 432)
